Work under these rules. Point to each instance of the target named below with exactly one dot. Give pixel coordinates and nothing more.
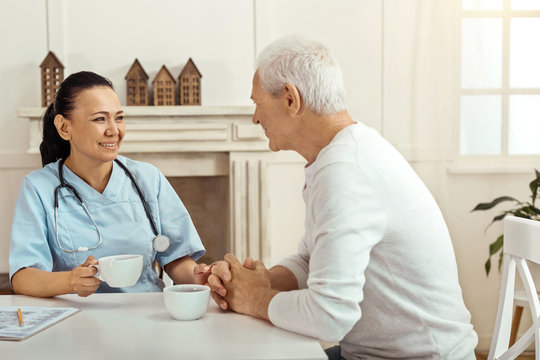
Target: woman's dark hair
(53, 147)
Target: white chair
(520, 302)
(521, 242)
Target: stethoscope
(161, 242)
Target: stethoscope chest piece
(161, 243)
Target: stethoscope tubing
(145, 204)
(161, 238)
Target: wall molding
(248, 228)
(171, 129)
(16, 161)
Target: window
(500, 77)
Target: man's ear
(292, 99)
(62, 126)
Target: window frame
(502, 162)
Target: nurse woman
(106, 204)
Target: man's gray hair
(309, 66)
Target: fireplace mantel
(203, 141)
(177, 129)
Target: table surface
(138, 326)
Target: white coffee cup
(186, 302)
(119, 270)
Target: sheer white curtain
(419, 77)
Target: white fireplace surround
(202, 141)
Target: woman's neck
(95, 174)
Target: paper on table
(36, 318)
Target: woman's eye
(119, 118)
(99, 119)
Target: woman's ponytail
(52, 147)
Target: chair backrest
(521, 243)
(522, 238)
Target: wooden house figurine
(52, 75)
(137, 85)
(189, 84)
(164, 85)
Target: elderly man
(375, 269)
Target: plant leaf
(522, 214)
(521, 209)
(531, 210)
(487, 206)
(534, 186)
(498, 218)
(496, 245)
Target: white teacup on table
(119, 270)
(187, 301)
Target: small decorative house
(164, 85)
(189, 84)
(52, 75)
(137, 85)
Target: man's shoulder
(343, 148)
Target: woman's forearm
(40, 283)
(181, 270)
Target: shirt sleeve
(176, 223)
(29, 246)
(347, 221)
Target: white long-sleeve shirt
(376, 268)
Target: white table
(137, 326)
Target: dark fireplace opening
(207, 201)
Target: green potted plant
(525, 209)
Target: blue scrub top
(118, 212)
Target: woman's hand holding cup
(82, 280)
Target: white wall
(222, 37)
(351, 29)
(399, 75)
